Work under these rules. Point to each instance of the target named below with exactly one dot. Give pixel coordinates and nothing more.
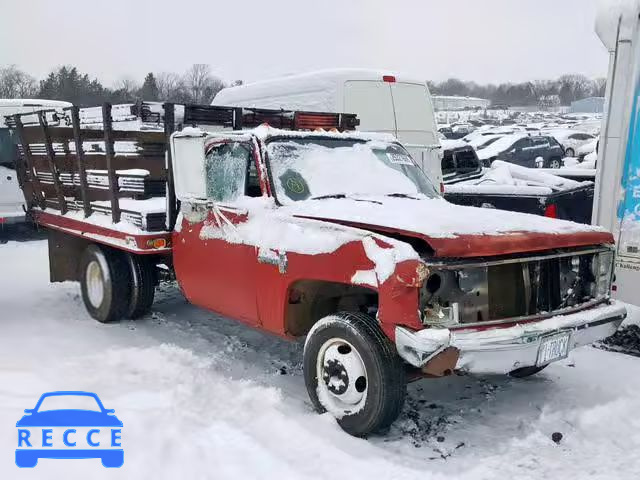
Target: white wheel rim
(342, 377)
(95, 283)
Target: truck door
(213, 265)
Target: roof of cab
(305, 83)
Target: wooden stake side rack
(71, 158)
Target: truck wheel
(143, 285)
(105, 282)
(353, 371)
(526, 371)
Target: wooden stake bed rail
(77, 166)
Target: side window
(552, 142)
(227, 168)
(522, 143)
(540, 142)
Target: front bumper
(502, 350)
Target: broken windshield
(317, 168)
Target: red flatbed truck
(295, 224)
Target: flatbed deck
(99, 228)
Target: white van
(384, 102)
(11, 198)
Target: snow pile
(204, 397)
(509, 179)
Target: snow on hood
(432, 218)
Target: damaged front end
(490, 298)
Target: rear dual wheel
(115, 284)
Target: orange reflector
(442, 188)
(157, 243)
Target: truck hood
(452, 230)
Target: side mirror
(109, 411)
(28, 410)
(188, 159)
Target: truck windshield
(317, 168)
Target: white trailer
(617, 194)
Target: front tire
(570, 152)
(105, 281)
(353, 371)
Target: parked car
(459, 161)
(587, 149)
(532, 152)
(571, 140)
(506, 186)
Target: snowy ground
(204, 397)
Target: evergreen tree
(149, 90)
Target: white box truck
(384, 102)
(617, 194)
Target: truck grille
(510, 289)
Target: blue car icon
(40, 428)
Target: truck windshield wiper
(333, 195)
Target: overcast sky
(480, 40)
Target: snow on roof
(321, 83)
(499, 145)
(33, 102)
(611, 13)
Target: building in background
(588, 105)
(449, 103)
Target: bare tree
(127, 85)
(15, 83)
(171, 87)
(201, 85)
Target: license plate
(553, 348)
